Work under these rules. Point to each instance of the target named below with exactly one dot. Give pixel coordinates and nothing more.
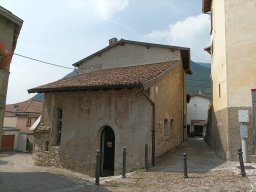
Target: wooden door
(8, 142)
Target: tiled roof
(29, 106)
(125, 77)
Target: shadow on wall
(43, 181)
(213, 137)
(200, 158)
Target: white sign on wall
(243, 116)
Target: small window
(28, 124)
(59, 126)
(171, 126)
(166, 128)
(219, 90)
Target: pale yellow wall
(241, 51)
(234, 48)
(218, 68)
(129, 55)
(10, 122)
(167, 96)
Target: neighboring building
(18, 119)
(233, 71)
(128, 94)
(10, 26)
(197, 114)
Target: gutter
(153, 160)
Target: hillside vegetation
(200, 79)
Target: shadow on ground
(3, 162)
(201, 158)
(42, 182)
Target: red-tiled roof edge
(43, 90)
(120, 85)
(29, 101)
(9, 107)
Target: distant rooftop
(29, 106)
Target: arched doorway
(107, 147)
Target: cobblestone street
(206, 173)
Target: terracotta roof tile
(125, 77)
(29, 106)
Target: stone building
(127, 94)
(233, 69)
(10, 26)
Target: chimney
(16, 106)
(112, 41)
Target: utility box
(243, 116)
(254, 106)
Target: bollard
(240, 156)
(185, 165)
(146, 157)
(97, 178)
(124, 163)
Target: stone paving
(206, 173)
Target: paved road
(18, 175)
(200, 157)
(206, 173)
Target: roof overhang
(185, 58)
(208, 49)
(206, 6)
(146, 85)
(16, 20)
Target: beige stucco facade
(170, 105)
(233, 71)
(134, 55)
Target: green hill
(200, 79)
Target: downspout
(183, 106)
(153, 160)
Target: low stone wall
(57, 158)
(47, 158)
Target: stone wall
(225, 132)
(85, 114)
(169, 98)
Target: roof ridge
(122, 41)
(29, 101)
(132, 66)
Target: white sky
(65, 31)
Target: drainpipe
(153, 160)
(183, 106)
